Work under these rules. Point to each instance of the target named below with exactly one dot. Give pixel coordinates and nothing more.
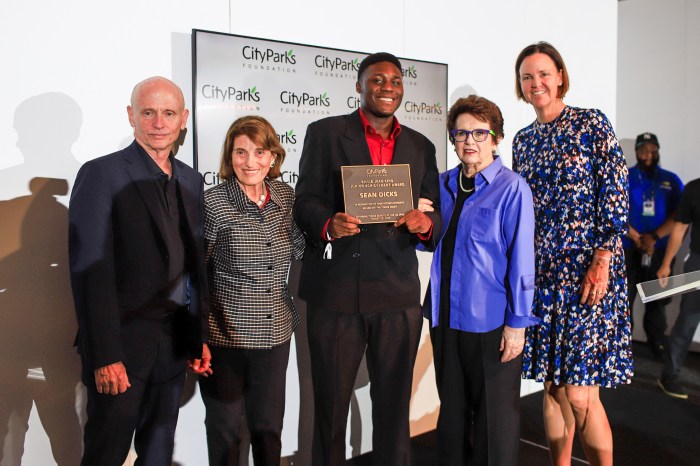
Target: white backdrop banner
(292, 85)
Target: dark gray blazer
(119, 261)
(377, 269)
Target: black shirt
(689, 212)
(171, 217)
(448, 247)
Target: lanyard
(651, 190)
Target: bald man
(139, 282)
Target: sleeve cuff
(325, 236)
(514, 321)
(426, 236)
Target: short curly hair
(481, 108)
(378, 57)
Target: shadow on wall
(627, 145)
(357, 424)
(462, 91)
(424, 362)
(39, 364)
(38, 361)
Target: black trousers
(655, 311)
(479, 421)
(684, 328)
(337, 343)
(149, 407)
(250, 383)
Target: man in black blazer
(139, 282)
(361, 280)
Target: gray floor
(649, 428)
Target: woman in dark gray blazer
(250, 238)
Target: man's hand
(646, 243)
(415, 221)
(512, 342)
(202, 366)
(342, 224)
(663, 273)
(634, 235)
(111, 379)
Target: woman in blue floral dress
(575, 168)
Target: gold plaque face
(377, 193)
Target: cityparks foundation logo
(410, 72)
(211, 178)
(410, 76)
(336, 67)
(240, 98)
(305, 103)
(288, 139)
(268, 59)
(353, 102)
(289, 176)
(423, 111)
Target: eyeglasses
(479, 135)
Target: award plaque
(377, 193)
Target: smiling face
(475, 156)
(648, 156)
(251, 162)
(540, 81)
(381, 90)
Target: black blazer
(119, 261)
(377, 269)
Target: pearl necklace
(263, 196)
(470, 190)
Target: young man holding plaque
(361, 280)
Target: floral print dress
(575, 168)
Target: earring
(560, 83)
(272, 164)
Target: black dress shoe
(657, 351)
(673, 388)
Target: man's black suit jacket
(377, 269)
(119, 261)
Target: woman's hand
(425, 205)
(595, 282)
(512, 342)
(201, 366)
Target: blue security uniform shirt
(664, 188)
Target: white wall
(72, 65)
(658, 68)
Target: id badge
(648, 209)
